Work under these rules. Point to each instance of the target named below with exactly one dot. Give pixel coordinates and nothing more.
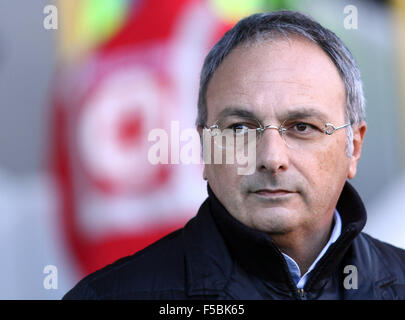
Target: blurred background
(82, 82)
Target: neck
(304, 246)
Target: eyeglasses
(298, 134)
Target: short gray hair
(261, 26)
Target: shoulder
(389, 250)
(157, 269)
(392, 256)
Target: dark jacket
(216, 257)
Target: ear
(358, 137)
(200, 132)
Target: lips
(272, 192)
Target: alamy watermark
(222, 148)
(350, 281)
(50, 21)
(51, 278)
(351, 20)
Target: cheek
(226, 185)
(336, 161)
(223, 176)
(323, 171)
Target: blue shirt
(293, 266)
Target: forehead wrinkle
(260, 88)
(298, 82)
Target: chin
(279, 222)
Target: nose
(272, 152)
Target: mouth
(272, 193)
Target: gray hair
(270, 25)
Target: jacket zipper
(301, 293)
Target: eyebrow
(301, 112)
(304, 112)
(237, 111)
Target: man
(291, 228)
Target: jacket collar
(207, 260)
(257, 253)
(215, 241)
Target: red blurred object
(113, 201)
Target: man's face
(272, 80)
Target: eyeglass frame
(329, 129)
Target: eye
(240, 128)
(303, 127)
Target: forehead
(273, 77)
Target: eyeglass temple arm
(330, 128)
